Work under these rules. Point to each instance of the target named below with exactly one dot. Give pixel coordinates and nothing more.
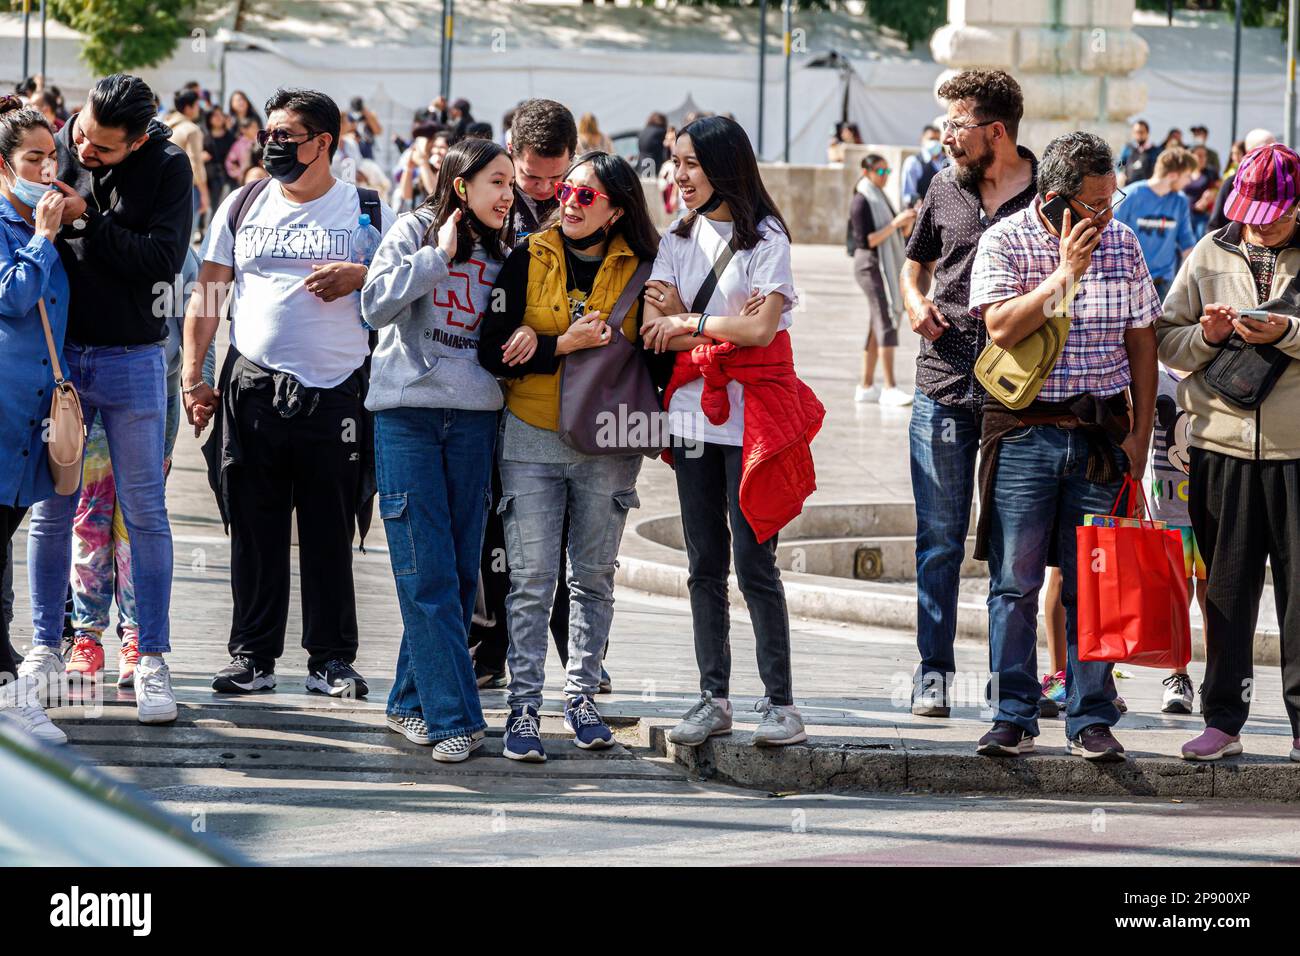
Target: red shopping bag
(1132, 592)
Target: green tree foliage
(122, 35)
(1254, 13)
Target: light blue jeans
(126, 386)
(597, 494)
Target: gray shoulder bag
(608, 404)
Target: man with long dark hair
(126, 229)
(292, 435)
(991, 178)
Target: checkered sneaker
(457, 748)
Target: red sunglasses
(584, 194)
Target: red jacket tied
(782, 416)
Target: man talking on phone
(1066, 454)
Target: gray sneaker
(781, 725)
(707, 718)
(930, 696)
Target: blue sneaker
(583, 720)
(523, 736)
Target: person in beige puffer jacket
(1244, 498)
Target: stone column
(1072, 58)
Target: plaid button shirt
(1115, 294)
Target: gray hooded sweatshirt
(428, 312)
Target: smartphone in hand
(1054, 211)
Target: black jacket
(140, 214)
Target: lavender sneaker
(1213, 744)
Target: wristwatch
(80, 222)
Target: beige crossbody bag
(65, 428)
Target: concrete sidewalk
(282, 772)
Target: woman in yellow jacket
(551, 299)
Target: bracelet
(193, 388)
(699, 329)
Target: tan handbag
(1016, 375)
(66, 430)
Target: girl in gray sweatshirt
(435, 407)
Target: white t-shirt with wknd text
(685, 262)
(275, 321)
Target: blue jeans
(597, 494)
(944, 442)
(433, 467)
(1040, 482)
(126, 387)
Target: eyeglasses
(1111, 208)
(584, 194)
(883, 171)
(950, 127)
(284, 136)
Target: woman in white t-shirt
(742, 354)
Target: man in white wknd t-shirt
(291, 431)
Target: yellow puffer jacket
(536, 398)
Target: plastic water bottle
(365, 240)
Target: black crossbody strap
(630, 293)
(711, 280)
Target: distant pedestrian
(1137, 159)
(919, 169)
(879, 253)
(1160, 215)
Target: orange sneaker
(87, 657)
(126, 661)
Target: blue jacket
(30, 270)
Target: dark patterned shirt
(1263, 262)
(947, 232)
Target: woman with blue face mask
(31, 208)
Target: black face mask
(281, 161)
(714, 202)
(586, 242)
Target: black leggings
(10, 519)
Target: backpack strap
(371, 206)
(248, 193)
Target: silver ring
(661, 298)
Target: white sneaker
(1178, 695)
(863, 393)
(895, 398)
(710, 716)
(781, 725)
(45, 665)
(154, 701)
(21, 701)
